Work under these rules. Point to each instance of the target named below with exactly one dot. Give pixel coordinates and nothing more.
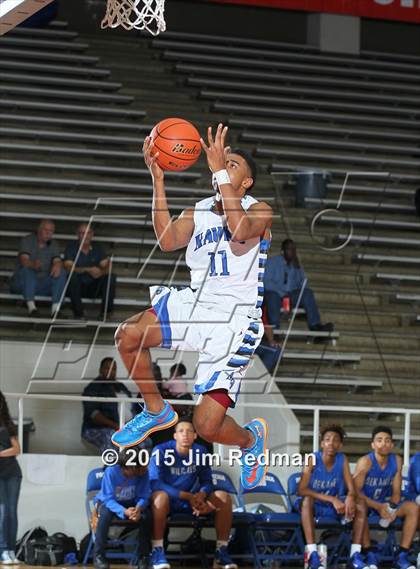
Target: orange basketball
(178, 144)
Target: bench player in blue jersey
(378, 479)
(182, 483)
(227, 237)
(125, 493)
(328, 491)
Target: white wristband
(222, 177)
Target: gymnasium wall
(246, 21)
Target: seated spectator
(90, 273)
(101, 420)
(39, 269)
(125, 494)
(175, 385)
(378, 478)
(10, 481)
(328, 491)
(182, 483)
(284, 278)
(414, 477)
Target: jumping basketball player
(227, 237)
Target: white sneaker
(13, 557)
(5, 558)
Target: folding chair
(277, 535)
(115, 548)
(339, 546)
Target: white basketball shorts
(225, 341)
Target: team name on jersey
(180, 470)
(125, 492)
(211, 235)
(324, 484)
(378, 482)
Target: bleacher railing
(316, 410)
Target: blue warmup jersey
(414, 475)
(378, 481)
(324, 481)
(173, 473)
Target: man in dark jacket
(101, 420)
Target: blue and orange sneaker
(253, 475)
(143, 425)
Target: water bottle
(392, 508)
(344, 521)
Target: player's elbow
(165, 245)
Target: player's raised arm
(233, 184)
(171, 233)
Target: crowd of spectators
(83, 269)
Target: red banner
(405, 10)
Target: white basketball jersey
(225, 273)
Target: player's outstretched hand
(150, 159)
(215, 150)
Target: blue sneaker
(252, 476)
(314, 561)
(222, 559)
(372, 560)
(143, 425)
(402, 561)
(357, 562)
(158, 559)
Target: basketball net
(135, 14)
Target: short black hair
(179, 368)
(333, 428)
(286, 242)
(105, 360)
(382, 429)
(249, 160)
(133, 454)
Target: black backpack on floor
(34, 533)
(44, 551)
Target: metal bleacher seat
(362, 204)
(70, 108)
(261, 127)
(269, 77)
(392, 259)
(52, 79)
(383, 190)
(398, 277)
(72, 136)
(33, 54)
(290, 113)
(278, 168)
(73, 122)
(265, 87)
(325, 104)
(189, 55)
(74, 219)
(64, 94)
(47, 44)
(95, 185)
(49, 68)
(91, 168)
(43, 33)
(322, 381)
(382, 241)
(303, 154)
(373, 222)
(334, 143)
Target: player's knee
(127, 337)
(411, 509)
(223, 497)
(361, 506)
(159, 500)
